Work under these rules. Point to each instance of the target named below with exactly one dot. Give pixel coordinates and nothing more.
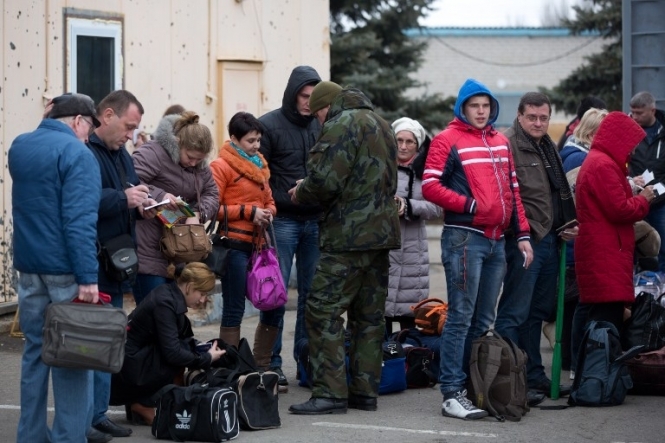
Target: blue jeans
(299, 239)
(72, 388)
(144, 284)
(234, 290)
(474, 266)
(102, 380)
(656, 218)
(529, 299)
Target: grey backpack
(602, 378)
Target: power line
(534, 63)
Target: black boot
(318, 405)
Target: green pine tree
(371, 52)
(601, 74)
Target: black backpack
(497, 370)
(419, 359)
(602, 378)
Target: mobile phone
(568, 225)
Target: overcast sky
(488, 13)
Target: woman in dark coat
(606, 211)
(160, 341)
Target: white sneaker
(572, 375)
(458, 406)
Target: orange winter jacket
(243, 187)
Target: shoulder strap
(493, 364)
(581, 356)
(157, 395)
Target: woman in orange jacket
(246, 202)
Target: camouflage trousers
(355, 283)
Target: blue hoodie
(469, 89)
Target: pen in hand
(132, 185)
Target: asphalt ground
(410, 416)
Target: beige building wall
(215, 57)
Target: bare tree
(554, 13)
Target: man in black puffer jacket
(650, 154)
(290, 132)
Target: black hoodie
(285, 143)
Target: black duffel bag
(258, 406)
(197, 413)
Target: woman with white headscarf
(409, 266)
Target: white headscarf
(407, 124)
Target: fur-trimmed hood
(167, 140)
(244, 166)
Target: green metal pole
(556, 357)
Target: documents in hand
(170, 217)
(647, 176)
(658, 188)
(166, 201)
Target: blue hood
(470, 88)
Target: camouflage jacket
(353, 176)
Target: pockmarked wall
(215, 57)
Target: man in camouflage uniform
(353, 176)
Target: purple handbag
(265, 286)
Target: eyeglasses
(534, 118)
(408, 143)
(90, 124)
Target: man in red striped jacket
(470, 173)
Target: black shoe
(95, 436)
(108, 427)
(282, 382)
(534, 398)
(362, 402)
(318, 405)
(546, 388)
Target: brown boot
(179, 378)
(230, 335)
(141, 415)
(264, 340)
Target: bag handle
(427, 300)
(211, 226)
(402, 335)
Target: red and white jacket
(469, 172)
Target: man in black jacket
(650, 154)
(123, 198)
(290, 131)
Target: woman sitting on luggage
(160, 342)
